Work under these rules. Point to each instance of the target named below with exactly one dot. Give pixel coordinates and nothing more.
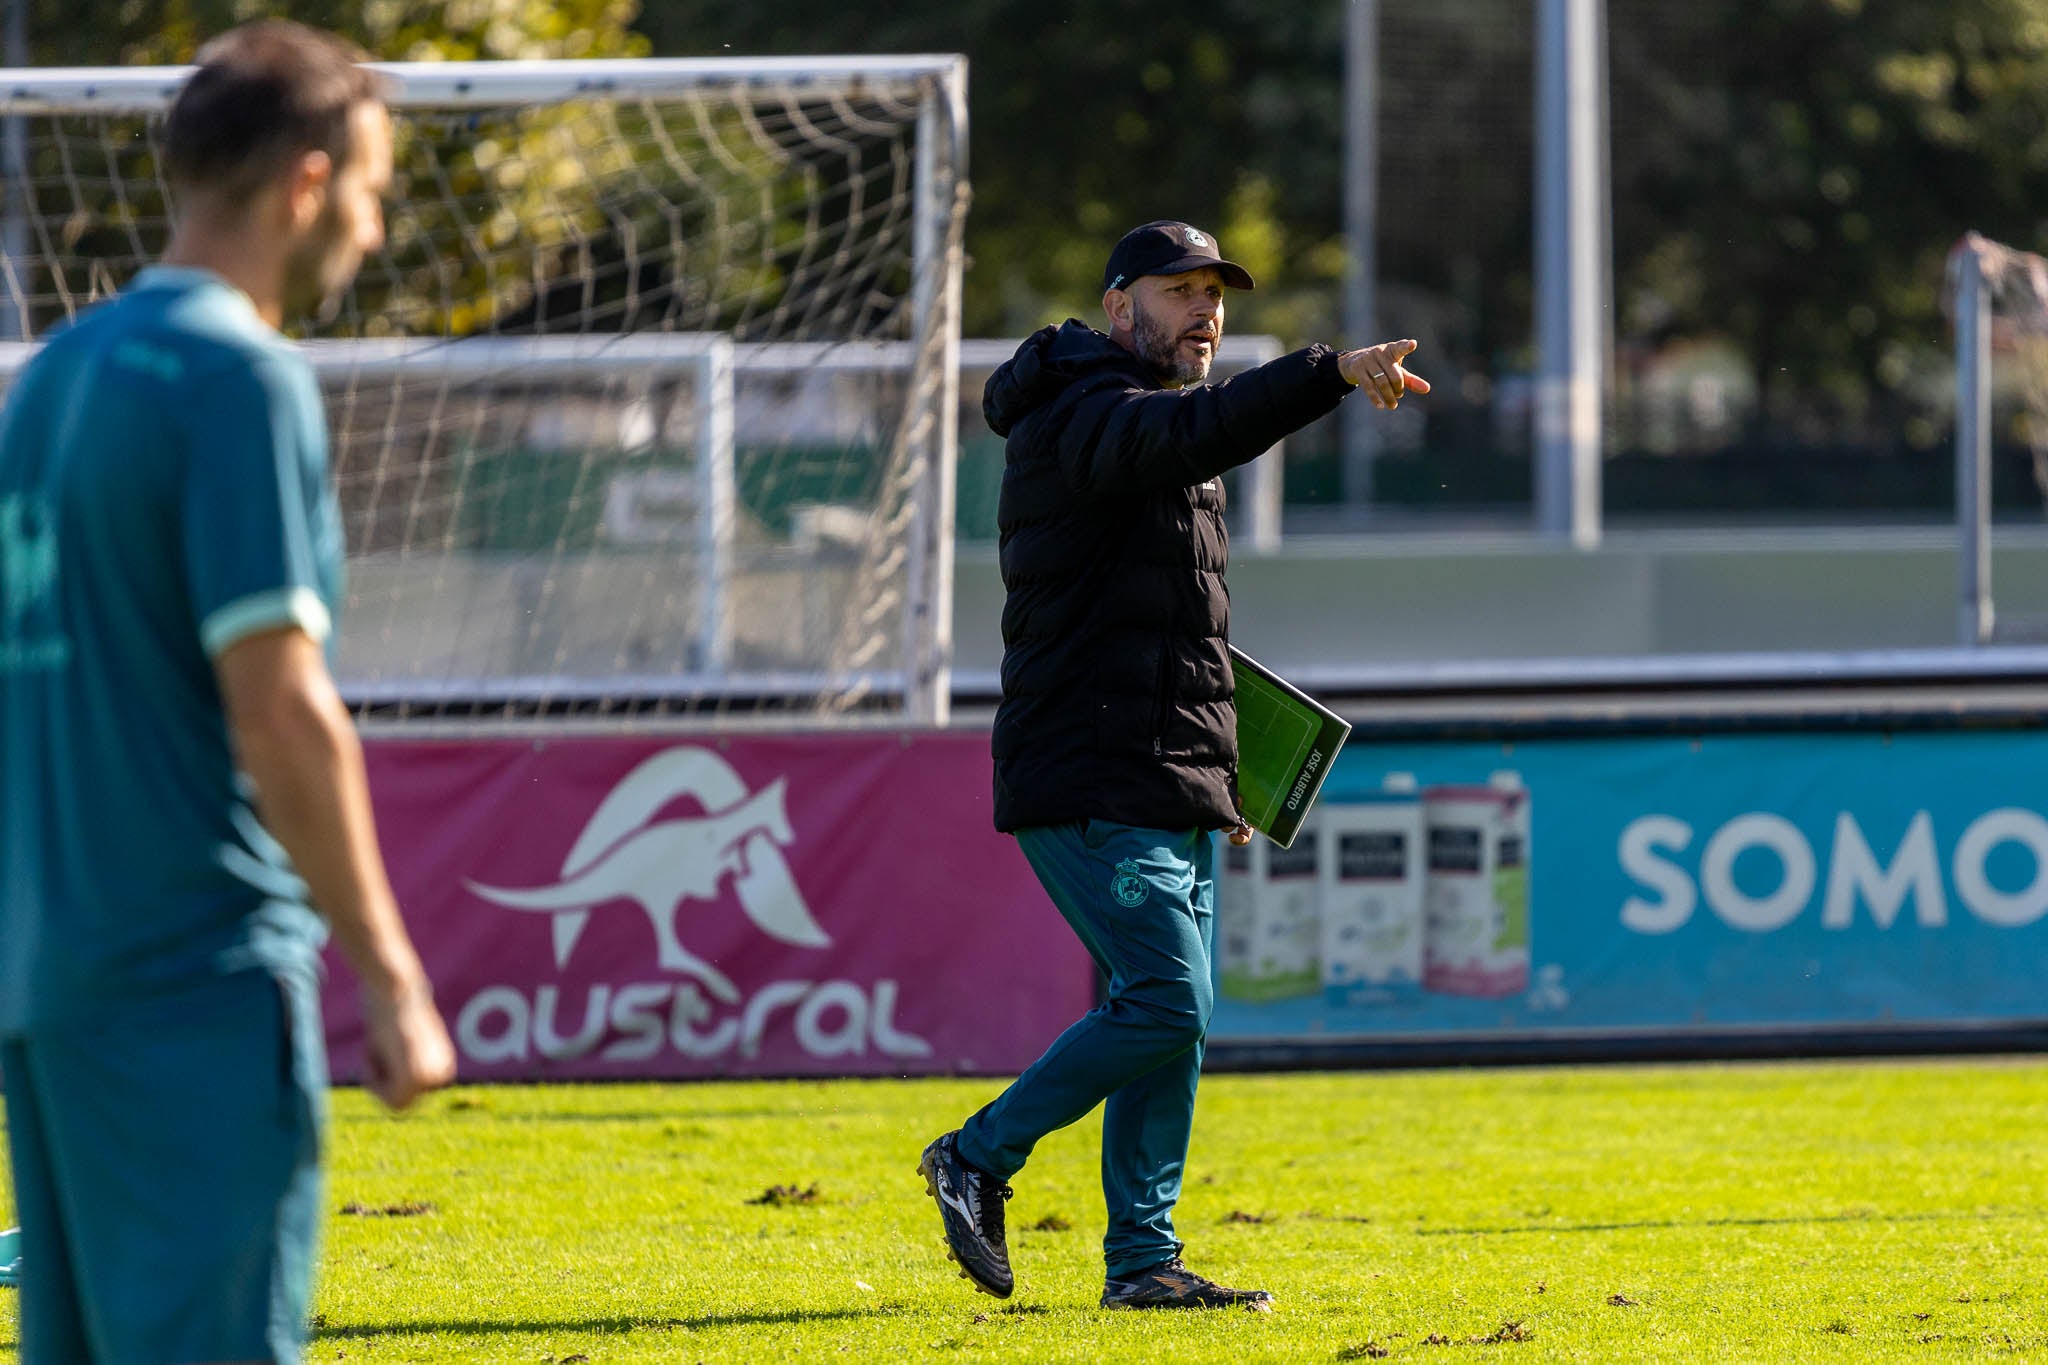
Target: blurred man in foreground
(180, 786)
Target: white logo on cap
(1195, 238)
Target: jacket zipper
(1159, 698)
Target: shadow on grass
(1651, 1224)
(477, 1328)
(484, 1112)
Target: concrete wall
(1371, 600)
(1316, 608)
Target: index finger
(1414, 382)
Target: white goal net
(647, 407)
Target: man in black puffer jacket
(1116, 741)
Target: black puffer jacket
(1116, 669)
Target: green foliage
(1087, 119)
(1792, 174)
(1853, 1213)
(478, 218)
(1788, 174)
(109, 32)
(591, 214)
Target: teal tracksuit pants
(1143, 903)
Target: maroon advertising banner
(819, 904)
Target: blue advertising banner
(1637, 884)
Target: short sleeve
(256, 462)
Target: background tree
(1791, 174)
(108, 32)
(1088, 118)
(1788, 174)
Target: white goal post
(561, 495)
(1999, 300)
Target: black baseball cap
(1168, 248)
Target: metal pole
(1569, 135)
(935, 303)
(1258, 501)
(1264, 494)
(14, 318)
(1973, 444)
(717, 504)
(1360, 435)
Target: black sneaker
(1172, 1285)
(971, 1207)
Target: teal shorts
(167, 1175)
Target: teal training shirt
(163, 495)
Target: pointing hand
(1377, 370)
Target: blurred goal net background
(645, 409)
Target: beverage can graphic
(1511, 869)
(1268, 918)
(1372, 877)
(1476, 928)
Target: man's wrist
(394, 974)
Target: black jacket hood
(1049, 360)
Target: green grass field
(1851, 1212)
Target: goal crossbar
(458, 85)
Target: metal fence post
(1973, 442)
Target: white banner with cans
(1630, 886)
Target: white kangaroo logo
(620, 856)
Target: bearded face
(321, 268)
(319, 273)
(1177, 356)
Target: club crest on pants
(1128, 886)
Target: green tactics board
(1286, 743)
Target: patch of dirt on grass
(782, 1196)
(1371, 1350)
(411, 1208)
(1507, 1331)
(1052, 1222)
(1240, 1216)
(1624, 1301)
(1840, 1328)
(1018, 1310)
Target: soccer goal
(646, 409)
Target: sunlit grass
(1849, 1212)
